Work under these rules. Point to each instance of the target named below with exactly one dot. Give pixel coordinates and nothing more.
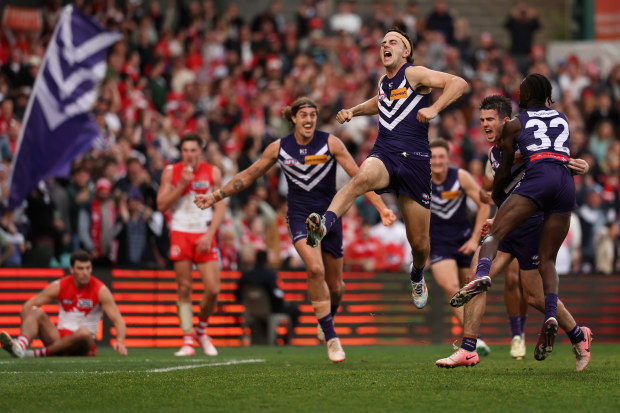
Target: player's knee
(84, 335)
(361, 182)
(419, 245)
(316, 271)
(533, 299)
(336, 288)
(512, 281)
(34, 313)
(184, 290)
(212, 291)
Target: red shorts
(183, 248)
(65, 333)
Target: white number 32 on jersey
(545, 141)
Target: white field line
(225, 363)
(160, 370)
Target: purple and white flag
(57, 126)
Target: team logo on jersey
(535, 259)
(290, 162)
(390, 85)
(381, 96)
(67, 301)
(85, 303)
(303, 151)
(450, 194)
(400, 93)
(315, 159)
(426, 198)
(495, 164)
(200, 185)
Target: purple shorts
(450, 253)
(550, 186)
(332, 243)
(523, 242)
(443, 248)
(409, 176)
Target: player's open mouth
(308, 126)
(387, 54)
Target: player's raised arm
(344, 158)
(243, 179)
(423, 80)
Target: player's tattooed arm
(245, 178)
(238, 185)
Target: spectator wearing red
(365, 253)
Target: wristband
(218, 195)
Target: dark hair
(81, 256)
(440, 143)
(540, 88)
(498, 102)
(290, 111)
(192, 137)
(406, 36)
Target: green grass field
(301, 379)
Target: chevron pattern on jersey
(306, 176)
(392, 112)
(446, 208)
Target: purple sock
(576, 335)
(469, 343)
(515, 325)
(417, 274)
(334, 309)
(522, 319)
(484, 266)
(330, 219)
(327, 324)
(551, 305)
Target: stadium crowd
(191, 67)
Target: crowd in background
(189, 66)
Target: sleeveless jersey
(449, 218)
(399, 130)
(79, 307)
(516, 172)
(186, 216)
(544, 136)
(310, 172)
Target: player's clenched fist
(204, 201)
(426, 114)
(344, 115)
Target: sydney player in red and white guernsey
(192, 238)
(82, 300)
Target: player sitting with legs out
(82, 300)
